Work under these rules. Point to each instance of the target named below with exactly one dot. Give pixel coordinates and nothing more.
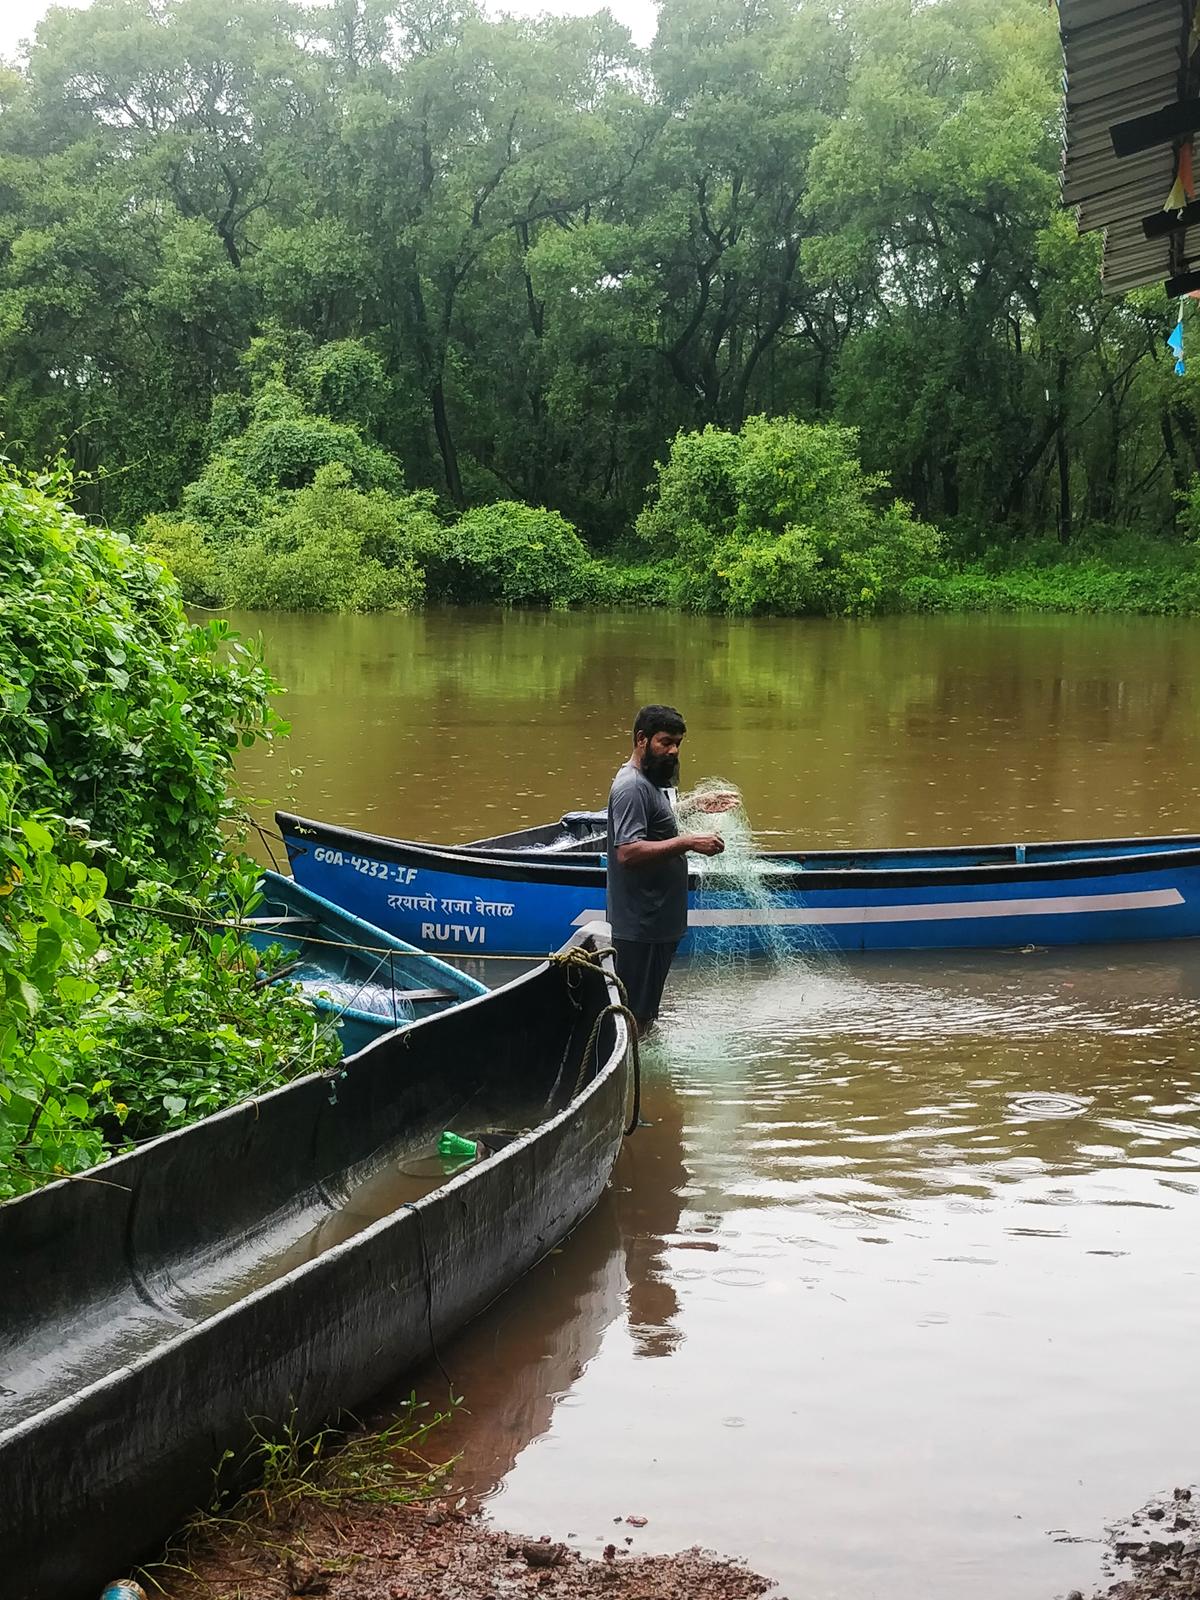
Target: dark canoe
(270, 1260)
(521, 893)
(361, 979)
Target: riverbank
(1129, 576)
(1134, 577)
(429, 1552)
(1158, 1550)
(776, 520)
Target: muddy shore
(1155, 1555)
(428, 1552)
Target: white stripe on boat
(1057, 905)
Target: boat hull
(125, 1378)
(476, 901)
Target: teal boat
(364, 981)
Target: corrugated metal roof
(1123, 59)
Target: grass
(1087, 584)
(1103, 571)
(333, 1469)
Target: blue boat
(364, 980)
(523, 893)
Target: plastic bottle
(453, 1148)
(123, 1589)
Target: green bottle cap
(452, 1148)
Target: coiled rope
(576, 960)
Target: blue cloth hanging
(1175, 341)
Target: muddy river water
(897, 1292)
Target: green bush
(331, 548)
(282, 446)
(51, 910)
(344, 381)
(780, 517)
(645, 584)
(122, 1008)
(294, 510)
(513, 554)
(222, 502)
(182, 546)
(186, 1025)
(116, 708)
(1088, 583)
(298, 509)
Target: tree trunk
(445, 439)
(1064, 489)
(1186, 424)
(1016, 486)
(950, 490)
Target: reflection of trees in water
(1126, 673)
(469, 653)
(449, 724)
(516, 1361)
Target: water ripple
(835, 1088)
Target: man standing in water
(647, 860)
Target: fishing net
(355, 994)
(736, 885)
(750, 972)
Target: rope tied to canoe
(576, 960)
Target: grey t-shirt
(645, 902)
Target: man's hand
(704, 844)
(645, 852)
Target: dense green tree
(512, 554)
(780, 517)
(532, 253)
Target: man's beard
(662, 771)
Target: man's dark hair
(658, 719)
